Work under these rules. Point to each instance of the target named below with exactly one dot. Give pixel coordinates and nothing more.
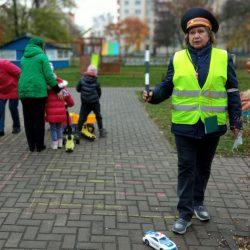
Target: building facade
(143, 9)
(13, 51)
(150, 11)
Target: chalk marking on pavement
(10, 176)
(73, 170)
(97, 206)
(42, 181)
(121, 166)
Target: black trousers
(34, 122)
(84, 112)
(195, 158)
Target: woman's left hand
(235, 132)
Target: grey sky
(87, 9)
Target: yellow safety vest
(190, 102)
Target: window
(66, 54)
(137, 12)
(51, 53)
(8, 54)
(126, 2)
(126, 11)
(62, 54)
(137, 2)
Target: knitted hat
(91, 71)
(62, 84)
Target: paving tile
(107, 192)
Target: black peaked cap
(199, 12)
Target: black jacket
(89, 88)
(201, 59)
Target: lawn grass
(133, 76)
(161, 114)
(130, 76)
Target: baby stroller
(70, 136)
(88, 127)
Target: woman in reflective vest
(204, 89)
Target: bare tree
(175, 9)
(236, 24)
(15, 15)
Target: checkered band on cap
(199, 21)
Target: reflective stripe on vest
(198, 92)
(202, 108)
(190, 102)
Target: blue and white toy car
(158, 241)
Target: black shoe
(16, 130)
(201, 213)
(39, 149)
(1, 133)
(180, 226)
(103, 132)
(32, 147)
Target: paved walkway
(107, 192)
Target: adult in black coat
(204, 89)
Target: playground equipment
(88, 127)
(106, 54)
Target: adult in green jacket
(32, 90)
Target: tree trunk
(37, 4)
(15, 18)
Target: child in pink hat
(90, 90)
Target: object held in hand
(238, 141)
(147, 65)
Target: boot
(60, 143)
(54, 144)
(41, 148)
(102, 132)
(16, 130)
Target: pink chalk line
(120, 165)
(10, 176)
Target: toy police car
(158, 241)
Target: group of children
(55, 109)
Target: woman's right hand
(60, 95)
(147, 95)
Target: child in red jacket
(55, 112)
